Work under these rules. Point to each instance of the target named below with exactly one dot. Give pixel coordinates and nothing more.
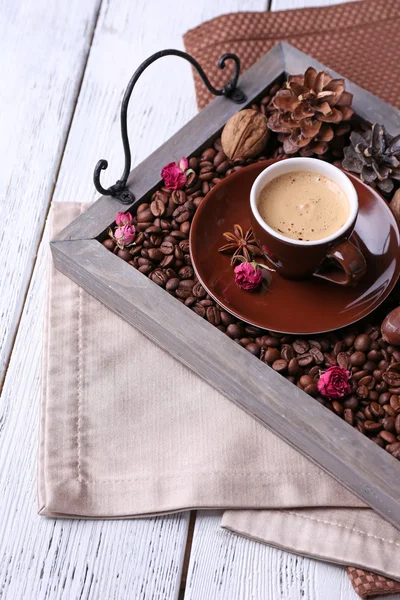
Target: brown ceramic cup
(334, 258)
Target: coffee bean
(209, 154)
(362, 391)
(314, 371)
(223, 167)
(199, 310)
(172, 284)
(145, 269)
(219, 158)
(311, 390)
(159, 277)
(395, 403)
(387, 437)
(317, 355)
(159, 195)
(397, 424)
(392, 378)
(343, 360)
(338, 347)
(155, 254)
(351, 402)
(234, 330)
(254, 349)
(190, 301)
(357, 359)
(183, 293)
(372, 426)
(287, 352)
(200, 292)
(305, 360)
(381, 387)
(185, 227)
(389, 423)
(167, 247)
(348, 416)
(329, 360)
(300, 346)
(379, 441)
(376, 409)
(124, 254)
(157, 208)
(294, 367)
(280, 365)
(337, 407)
(142, 207)
(368, 381)
(315, 344)
(213, 316)
(362, 342)
(167, 261)
(305, 380)
(271, 355)
(109, 244)
(389, 410)
(395, 447)
(348, 340)
(375, 356)
(270, 341)
(226, 318)
(186, 272)
(145, 216)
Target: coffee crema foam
(303, 205)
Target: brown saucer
(298, 307)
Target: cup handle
(351, 262)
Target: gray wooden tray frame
(356, 462)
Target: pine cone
(309, 111)
(375, 156)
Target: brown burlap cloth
(358, 40)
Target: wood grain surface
(70, 560)
(44, 47)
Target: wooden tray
(355, 461)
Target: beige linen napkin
(128, 431)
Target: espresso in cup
(303, 205)
(303, 212)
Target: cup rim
(317, 166)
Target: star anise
(240, 244)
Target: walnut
(245, 134)
(395, 204)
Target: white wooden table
(63, 70)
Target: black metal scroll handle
(230, 90)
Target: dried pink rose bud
(248, 276)
(125, 235)
(174, 174)
(334, 383)
(123, 219)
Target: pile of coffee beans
(162, 254)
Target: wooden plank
(48, 559)
(44, 558)
(225, 566)
(44, 47)
(276, 403)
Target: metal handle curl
(230, 90)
